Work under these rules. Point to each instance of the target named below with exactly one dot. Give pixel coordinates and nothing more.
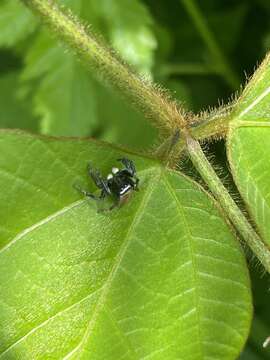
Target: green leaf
(16, 22)
(127, 24)
(15, 112)
(248, 147)
(65, 98)
(129, 27)
(70, 102)
(147, 280)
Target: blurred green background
(203, 51)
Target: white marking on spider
(125, 189)
(115, 170)
(266, 342)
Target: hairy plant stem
(154, 103)
(228, 205)
(214, 126)
(200, 23)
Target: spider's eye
(110, 176)
(115, 170)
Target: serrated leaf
(70, 102)
(148, 280)
(16, 22)
(65, 98)
(249, 145)
(127, 24)
(130, 31)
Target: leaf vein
(112, 274)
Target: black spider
(119, 184)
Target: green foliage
(96, 286)
(55, 74)
(163, 277)
(248, 147)
(129, 30)
(16, 22)
(70, 107)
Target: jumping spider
(118, 185)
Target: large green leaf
(160, 278)
(249, 146)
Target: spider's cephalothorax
(119, 184)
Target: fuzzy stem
(216, 126)
(200, 23)
(229, 207)
(153, 102)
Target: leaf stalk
(228, 205)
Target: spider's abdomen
(125, 189)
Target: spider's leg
(113, 206)
(85, 192)
(130, 168)
(133, 182)
(103, 194)
(129, 165)
(98, 179)
(104, 210)
(107, 209)
(136, 183)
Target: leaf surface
(248, 147)
(16, 22)
(159, 278)
(130, 32)
(65, 98)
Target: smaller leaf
(130, 31)
(65, 97)
(16, 22)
